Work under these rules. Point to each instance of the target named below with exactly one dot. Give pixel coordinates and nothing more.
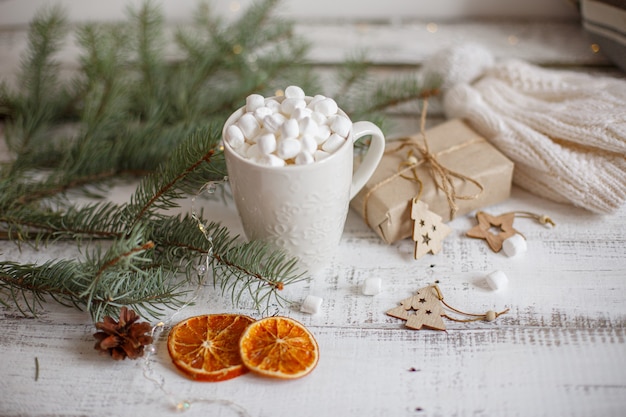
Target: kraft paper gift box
(471, 160)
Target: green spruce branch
(132, 111)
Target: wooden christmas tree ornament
(428, 229)
(421, 310)
(426, 308)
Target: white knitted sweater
(565, 131)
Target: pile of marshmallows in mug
(294, 131)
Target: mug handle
(372, 157)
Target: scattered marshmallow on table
(294, 130)
(372, 286)
(514, 245)
(311, 304)
(497, 280)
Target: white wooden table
(560, 351)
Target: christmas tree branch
(133, 111)
(165, 188)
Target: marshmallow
(234, 137)
(514, 245)
(267, 143)
(289, 105)
(248, 125)
(254, 101)
(288, 148)
(262, 112)
(497, 280)
(319, 118)
(372, 286)
(319, 155)
(341, 125)
(290, 129)
(304, 158)
(316, 99)
(272, 104)
(301, 112)
(273, 122)
(333, 143)
(311, 304)
(243, 150)
(308, 126)
(327, 107)
(322, 135)
(269, 160)
(309, 144)
(293, 91)
(253, 151)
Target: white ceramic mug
(301, 209)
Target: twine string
(541, 218)
(474, 317)
(443, 177)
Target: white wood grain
(560, 351)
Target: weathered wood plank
(560, 351)
(363, 371)
(560, 43)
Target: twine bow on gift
(442, 176)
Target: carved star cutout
(486, 221)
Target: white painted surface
(560, 351)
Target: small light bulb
(432, 27)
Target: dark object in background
(605, 21)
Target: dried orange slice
(206, 348)
(279, 347)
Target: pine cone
(124, 338)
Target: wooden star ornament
(503, 224)
(428, 229)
